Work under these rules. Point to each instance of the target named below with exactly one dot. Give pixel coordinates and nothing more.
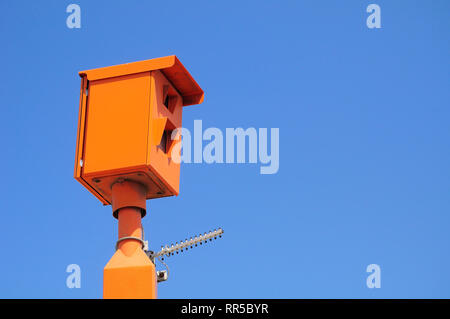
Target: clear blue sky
(364, 147)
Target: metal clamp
(130, 237)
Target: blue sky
(364, 147)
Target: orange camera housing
(126, 118)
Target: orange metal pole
(129, 226)
(129, 274)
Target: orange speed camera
(127, 115)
